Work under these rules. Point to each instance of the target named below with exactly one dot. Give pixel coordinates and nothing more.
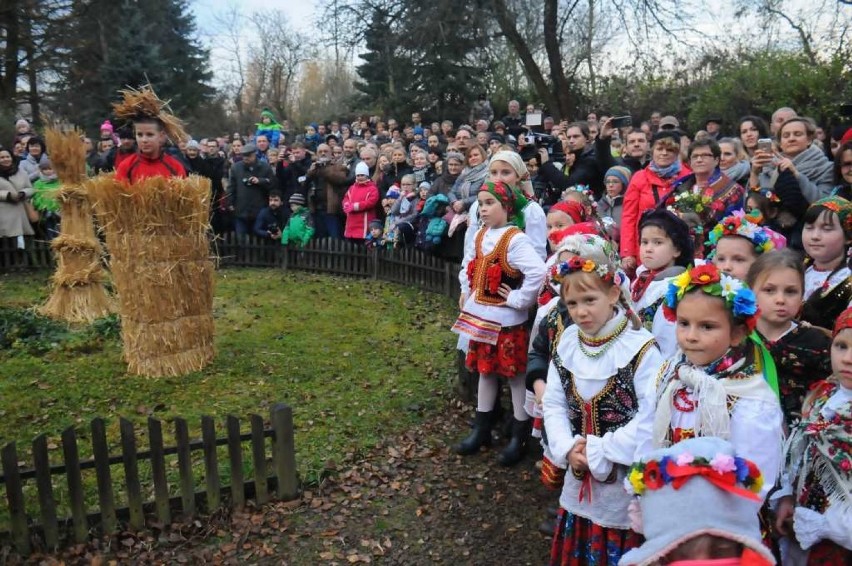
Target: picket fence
(407, 266)
(53, 530)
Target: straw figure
(156, 233)
(78, 294)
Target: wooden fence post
(284, 451)
(131, 473)
(15, 497)
(258, 453)
(41, 463)
(211, 466)
(187, 485)
(235, 457)
(158, 471)
(75, 484)
(100, 452)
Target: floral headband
(739, 299)
(745, 226)
(769, 194)
(587, 192)
(511, 199)
(843, 322)
(579, 264)
(839, 206)
(729, 473)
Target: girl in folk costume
(828, 280)
(563, 218)
(551, 318)
(715, 385)
(665, 249)
(816, 491)
(800, 351)
(598, 403)
(509, 168)
(499, 280)
(738, 240)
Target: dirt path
(410, 501)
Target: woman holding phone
(798, 175)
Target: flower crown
(587, 192)
(769, 194)
(579, 264)
(723, 470)
(739, 299)
(745, 226)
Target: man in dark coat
(249, 183)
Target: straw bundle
(156, 233)
(144, 104)
(78, 293)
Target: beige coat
(13, 216)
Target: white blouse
(522, 256)
(609, 501)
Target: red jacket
(138, 167)
(644, 192)
(359, 204)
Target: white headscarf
(517, 163)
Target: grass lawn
(355, 359)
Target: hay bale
(78, 293)
(156, 234)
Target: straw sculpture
(156, 234)
(144, 104)
(78, 294)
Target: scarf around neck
(669, 172)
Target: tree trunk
(506, 21)
(10, 15)
(562, 93)
(32, 71)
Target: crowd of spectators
(424, 176)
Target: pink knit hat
(107, 125)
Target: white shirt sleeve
(623, 445)
(757, 434)
(535, 226)
(665, 333)
(522, 256)
(469, 253)
(835, 525)
(560, 437)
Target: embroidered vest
(488, 271)
(822, 308)
(611, 408)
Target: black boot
(479, 437)
(517, 446)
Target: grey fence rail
(91, 514)
(408, 266)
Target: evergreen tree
(383, 84)
(127, 43)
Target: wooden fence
(52, 530)
(409, 267)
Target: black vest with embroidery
(822, 309)
(612, 408)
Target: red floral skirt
(580, 542)
(828, 552)
(507, 358)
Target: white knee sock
(486, 397)
(519, 395)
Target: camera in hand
(245, 181)
(552, 144)
(323, 161)
(273, 228)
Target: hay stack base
(156, 234)
(78, 294)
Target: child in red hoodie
(359, 204)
